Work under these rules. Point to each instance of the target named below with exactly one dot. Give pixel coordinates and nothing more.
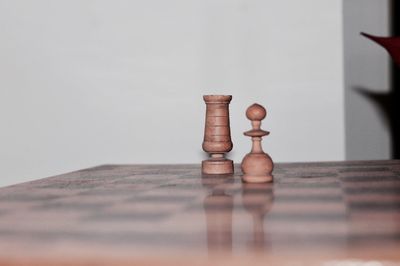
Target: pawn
(257, 166)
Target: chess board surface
(172, 214)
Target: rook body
(217, 135)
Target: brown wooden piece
(257, 166)
(217, 135)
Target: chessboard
(326, 212)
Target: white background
(84, 83)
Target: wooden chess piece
(257, 166)
(217, 135)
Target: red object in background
(391, 44)
(389, 101)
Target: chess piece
(257, 166)
(217, 135)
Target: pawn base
(257, 178)
(217, 167)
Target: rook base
(217, 167)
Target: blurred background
(84, 83)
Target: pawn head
(256, 112)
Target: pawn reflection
(257, 199)
(218, 206)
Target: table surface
(327, 212)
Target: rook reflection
(218, 206)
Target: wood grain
(171, 214)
